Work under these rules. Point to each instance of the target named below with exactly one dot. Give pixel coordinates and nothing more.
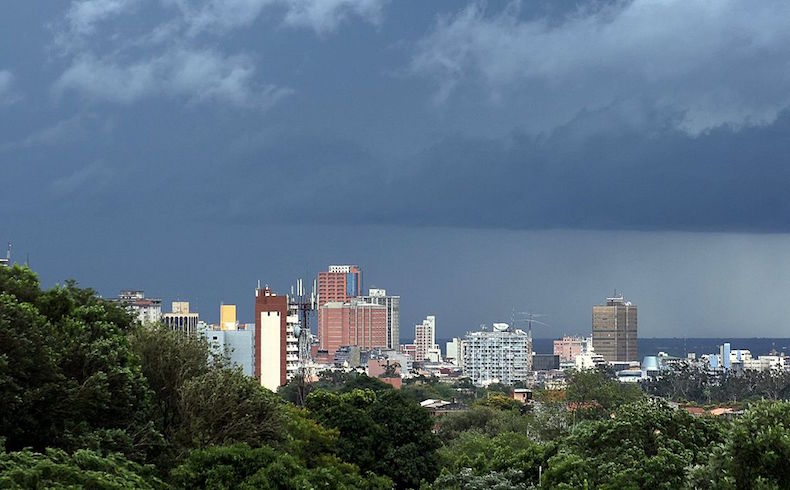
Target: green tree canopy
(643, 445)
(83, 469)
(242, 467)
(68, 377)
(383, 432)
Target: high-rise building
(570, 347)
(379, 297)
(180, 318)
(425, 346)
(147, 310)
(293, 328)
(726, 357)
(614, 330)
(339, 284)
(271, 319)
(502, 355)
(351, 323)
(227, 317)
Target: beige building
(614, 330)
(181, 319)
(227, 317)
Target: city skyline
(191, 148)
(716, 312)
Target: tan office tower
(614, 330)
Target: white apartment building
(425, 347)
(502, 355)
(147, 310)
(292, 330)
(453, 352)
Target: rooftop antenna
(529, 317)
(8, 253)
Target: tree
(224, 406)
(242, 467)
(68, 377)
(383, 432)
(83, 469)
(592, 394)
(759, 446)
(500, 402)
(510, 453)
(644, 445)
(169, 359)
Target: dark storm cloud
(593, 115)
(723, 62)
(589, 174)
(192, 147)
(626, 179)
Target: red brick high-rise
(339, 284)
(352, 323)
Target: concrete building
(238, 345)
(452, 352)
(726, 358)
(425, 339)
(589, 359)
(6, 261)
(353, 323)
(408, 350)
(545, 362)
(271, 321)
(339, 284)
(147, 310)
(614, 330)
(502, 355)
(227, 317)
(379, 297)
(386, 370)
(180, 318)
(570, 347)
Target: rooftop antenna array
(305, 304)
(529, 318)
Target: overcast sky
(474, 158)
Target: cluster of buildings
(358, 331)
(354, 330)
(726, 361)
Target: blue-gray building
(725, 356)
(238, 345)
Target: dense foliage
(688, 384)
(90, 399)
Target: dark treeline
(689, 384)
(90, 399)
